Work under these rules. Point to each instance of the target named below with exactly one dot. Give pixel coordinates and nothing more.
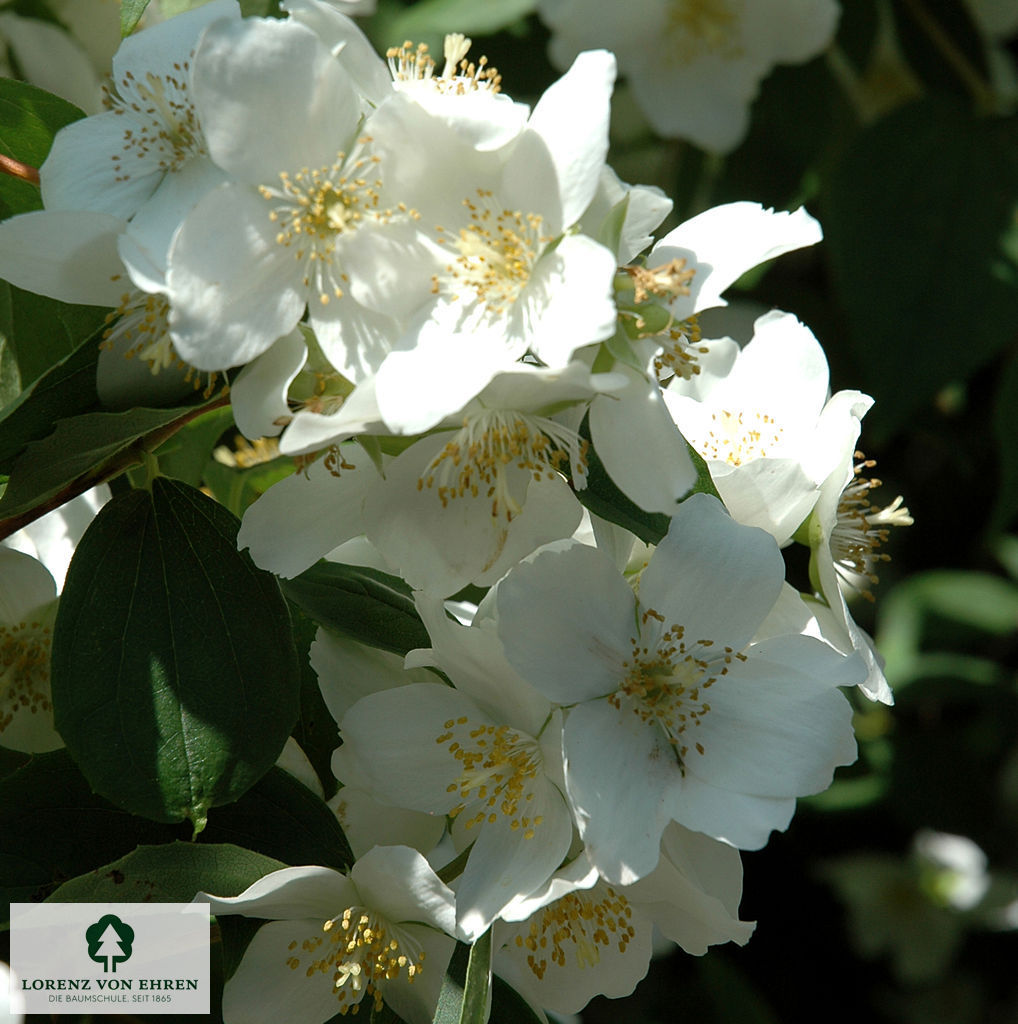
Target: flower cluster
(450, 313)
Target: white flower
(758, 416)
(845, 532)
(306, 222)
(561, 950)
(509, 276)
(675, 711)
(694, 65)
(485, 753)
(116, 162)
(334, 940)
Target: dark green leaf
(41, 331)
(316, 732)
(922, 241)
(363, 604)
(53, 827)
(171, 873)
(130, 14)
(282, 818)
(175, 679)
(508, 1006)
(66, 390)
(79, 448)
(29, 118)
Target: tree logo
(109, 942)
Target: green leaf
(41, 331)
(174, 673)
(928, 299)
(363, 604)
(282, 818)
(316, 732)
(29, 118)
(171, 873)
(437, 17)
(130, 14)
(509, 1007)
(463, 998)
(65, 390)
(80, 451)
(53, 827)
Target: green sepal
(131, 12)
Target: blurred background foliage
(902, 139)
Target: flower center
(141, 325)
(739, 437)
(476, 459)
(584, 922)
(25, 649)
(702, 28)
(162, 120)
(412, 65)
(665, 681)
(359, 949)
(316, 211)
(497, 765)
(497, 252)
(861, 528)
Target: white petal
(233, 290)
(25, 585)
(724, 242)
(399, 884)
(271, 98)
(656, 473)
(303, 517)
(289, 894)
(621, 776)
(566, 618)
(348, 670)
(712, 576)
(572, 118)
(70, 255)
(264, 986)
(570, 292)
(258, 395)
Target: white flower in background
(579, 937)
(335, 940)
(694, 65)
(510, 277)
(485, 752)
(845, 532)
(33, 564)
(117, 162)
(306, 222)
(756, 416)
(675, 712)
